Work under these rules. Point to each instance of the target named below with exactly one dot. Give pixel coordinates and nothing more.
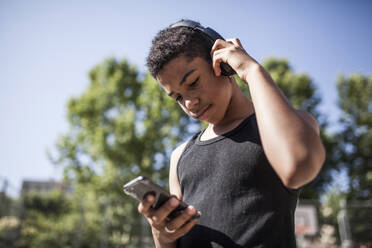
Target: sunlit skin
(290, 138)
(203, 95)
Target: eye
(178, 98)
(195, 83)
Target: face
(195, 87)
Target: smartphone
(141, 187)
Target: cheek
(223, 92)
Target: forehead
(175, 70)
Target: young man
(244, 170)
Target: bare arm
(290, 138)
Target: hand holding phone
(141, 187)
(169, 218)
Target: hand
(167, 231)
(231, 52)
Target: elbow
(297, 178)
(303, 169)
(295, 181)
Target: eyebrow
(183, 80)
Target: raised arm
(290, 137)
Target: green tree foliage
(331, 208)
(299, 88)
(51, 203)
(5, 205)
(44, 220)
(9, 226)
(122, 126)
(355, 100)
(355, 146)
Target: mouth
(201, 113)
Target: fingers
(144, 207)
(161, 214)
(168, 230)
(187, 227)
(235, 41)
(219, 44)
(221, 51)
(182, 225)
(178, 222)
(218, 57)
(232, 53)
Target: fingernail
(198, 214)
(190, 210)
(173, 202)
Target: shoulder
(176, 154)
(174, 185)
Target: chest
(224, 165)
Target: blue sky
(48, 47)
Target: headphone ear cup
(226, 70)
(211, 35)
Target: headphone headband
(210, 34)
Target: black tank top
(242, 200)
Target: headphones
(211, 36)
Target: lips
(202, 112)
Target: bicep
(306, 170)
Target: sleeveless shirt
(242, 200)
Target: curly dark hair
(169, 43)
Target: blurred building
(45, 186)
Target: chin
(213, 120)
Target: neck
(239, 108)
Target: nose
(191, 104)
